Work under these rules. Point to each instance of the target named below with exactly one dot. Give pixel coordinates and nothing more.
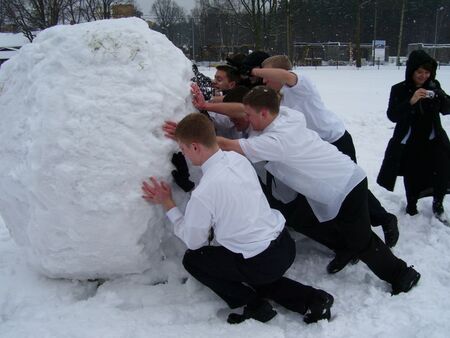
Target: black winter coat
(400, 111)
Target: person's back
(300, 165)
(305, 98)
(230, 180)
(252, 249)
(298, 92)
(304, 162)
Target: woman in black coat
(419, 149)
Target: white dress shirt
(303, 162)
(229, 199)
(224, 126)
(304, 97)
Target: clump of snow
(82, 110)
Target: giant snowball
(81, 115)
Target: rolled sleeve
(262, 148)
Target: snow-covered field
(165, 302)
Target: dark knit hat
(255, 59)
(236, 60)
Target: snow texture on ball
(82, 109)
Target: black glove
(182, 181)
(181, 174)
(180, 163)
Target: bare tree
(400, 34)
(168, 13)
(29, 15)
(74, 12)
(358, 33)
(253, 9)
(97, 9)
(2, 13)
(258, 17)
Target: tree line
(29, 16)
(217, 28)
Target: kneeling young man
(252, 248)
(334, 186)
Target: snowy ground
(162, 303)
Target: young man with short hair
(226, 81)
(334, 186)
(226, 78)
(252, 249)
(231, 105)
(300, 93)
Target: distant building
(123, 11)
(10, 44)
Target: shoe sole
(410, 286)
(413, 282)
(329, 300)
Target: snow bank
(82, 109)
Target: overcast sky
(145, 5)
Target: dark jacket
(420, 117)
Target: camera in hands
(430, 94)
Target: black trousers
(350, 231)
(239, 281)
(378, 215)
(353, 223)
(300, 217)
(425, 165)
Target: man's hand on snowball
(198, 100)
(158, 193)
(169, 129)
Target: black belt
(278, 239)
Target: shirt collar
(274, 122)
(215, 158)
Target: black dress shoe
(339, 261)
(260, 310)
(390, 230)
(407, 280)
(439, 212)
(411, 210)
(319, 308)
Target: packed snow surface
(82, 108)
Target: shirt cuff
(174, 214)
